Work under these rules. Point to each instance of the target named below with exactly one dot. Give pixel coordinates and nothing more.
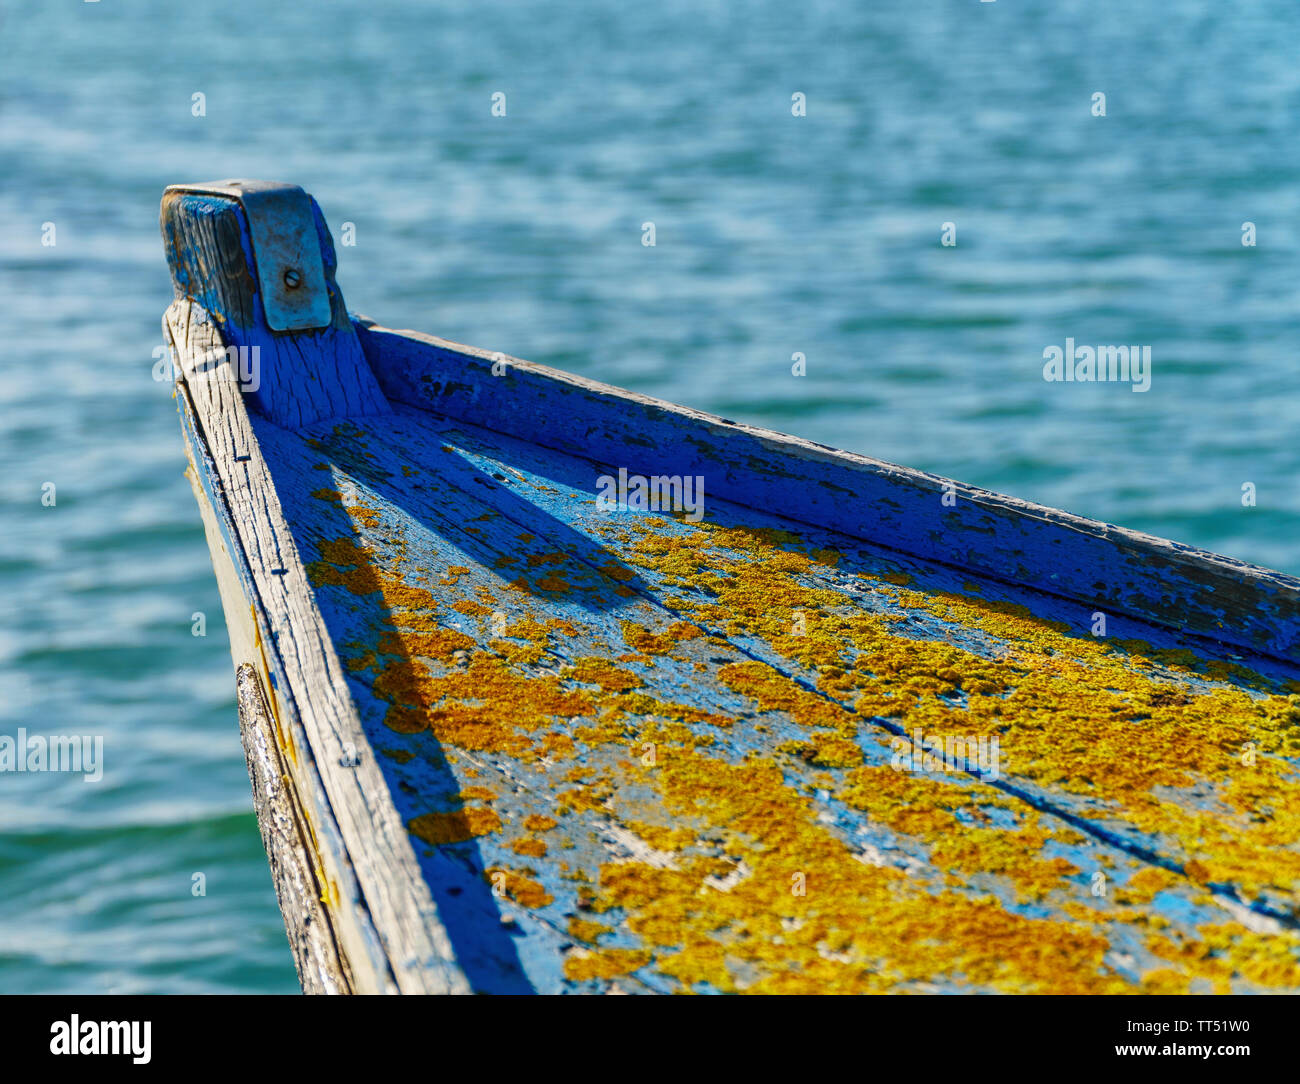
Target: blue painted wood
(424, 495)
(1111, 569)
(291, 378)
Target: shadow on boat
(413, 524)
(416, 769)
(485, 515)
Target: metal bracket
(286, 250)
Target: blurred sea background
(775, 234)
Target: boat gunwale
(358, 876)
(485, 383)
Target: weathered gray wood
(317, 954)
(297, 869)
(392, 901)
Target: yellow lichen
(751, 889)
(606, 964)
(454, 826)
(519, 887)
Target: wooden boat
(522, 714)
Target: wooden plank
(511, 651)
(317, 952)
(297, 871)
(359, 947)
(373, 852)
(1117, 571)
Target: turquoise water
(775, 234)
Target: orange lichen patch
(529, 847)
(432, 645)
(593, 671)
(369, 517)
(773, 691)
(641, 639)
(536, 560)
(1164, 980)
(618, 572)
(485, 707)
(505, 561)
(1230, 949)
(582, 929)
(825, 751)
(424, 621)
(346, 564)
(328, 495)
(402, 756)
(662, 837)
(472, 609)
(522, 889)
(603, 964)
(522, 654)
(579, 798)
(454, 826)
(793, 922)
(477, 794)
(554, 583)
(634, 705)
(557, 746)
(915, 804)
(537, 632)
(1014, 854)
(717, 904)
(1145, 885)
